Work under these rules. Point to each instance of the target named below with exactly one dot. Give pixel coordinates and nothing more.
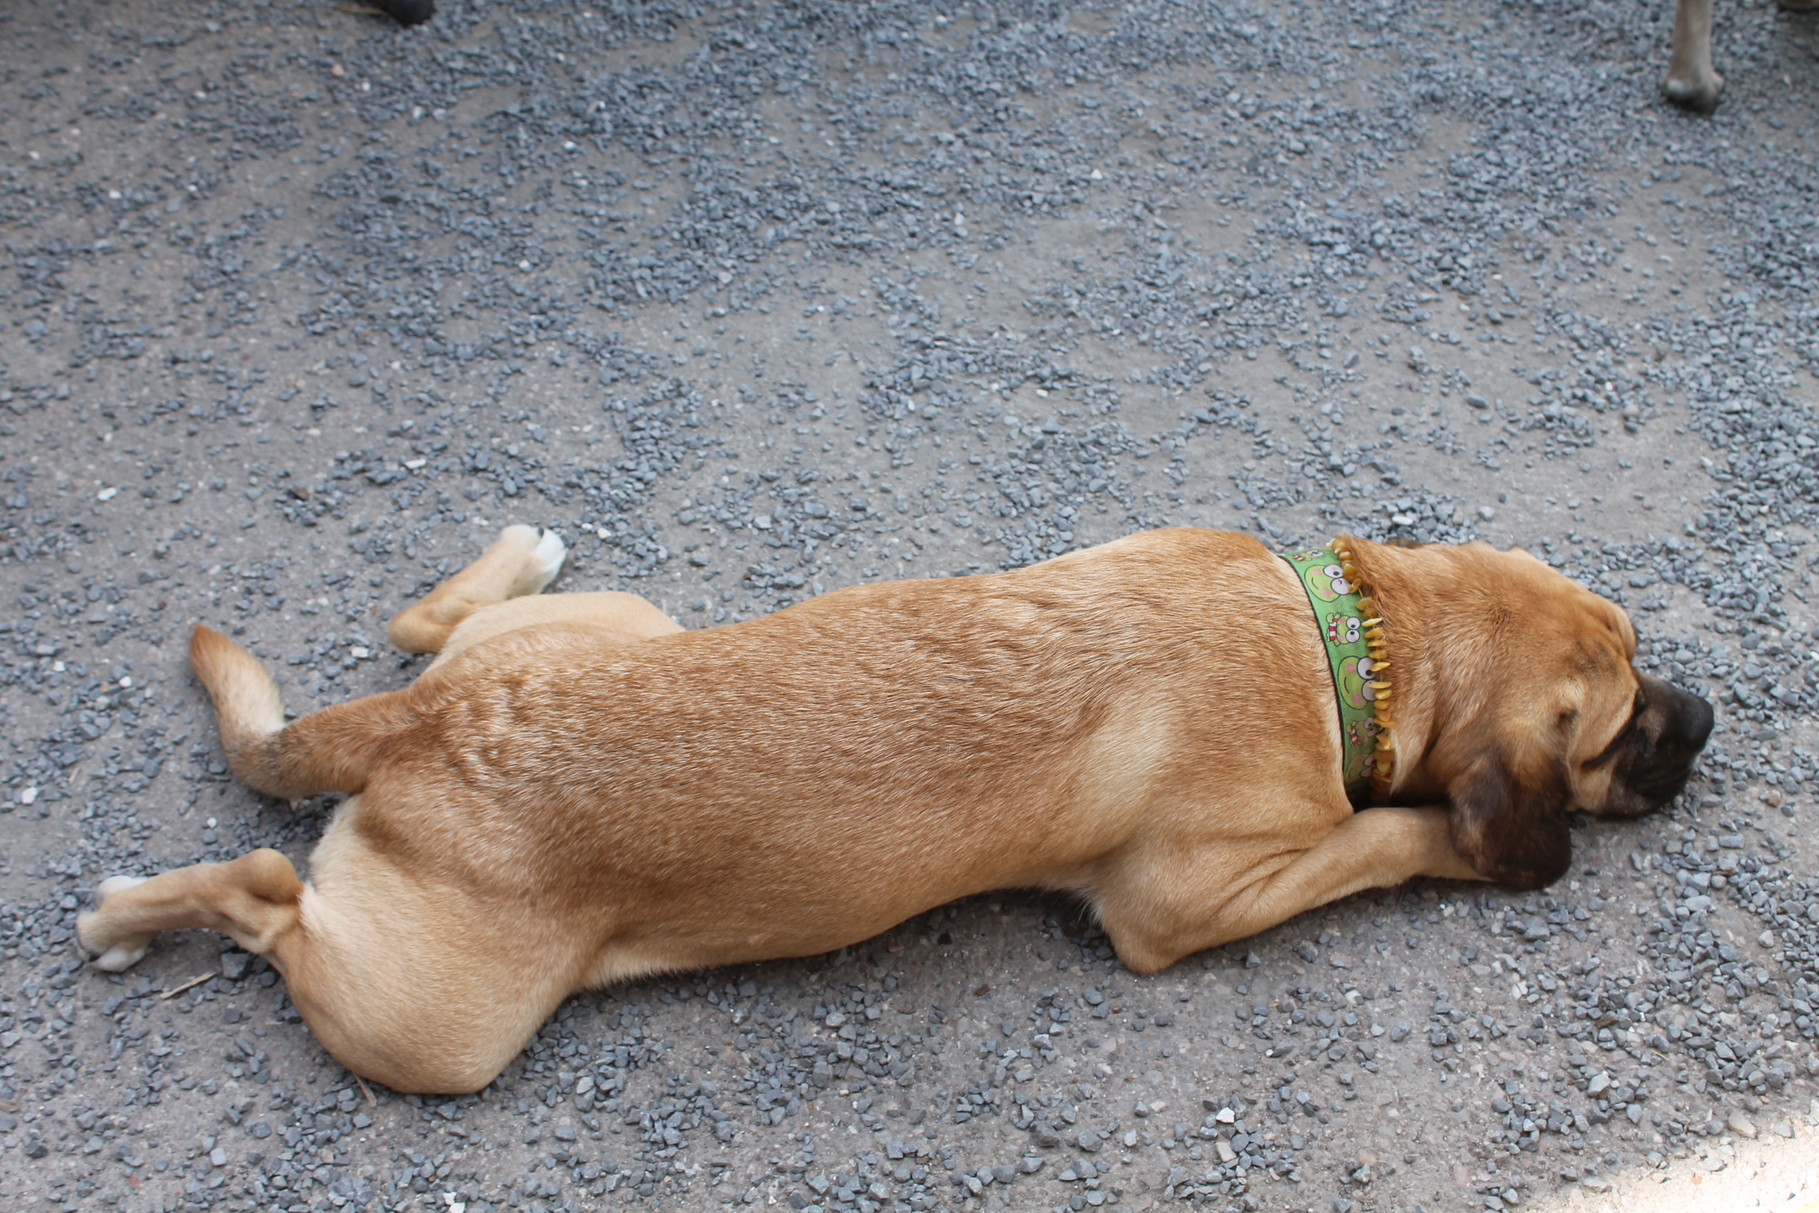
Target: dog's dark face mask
(1652, 755)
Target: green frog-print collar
(1353, 635)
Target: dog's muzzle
(1657, 777)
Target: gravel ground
(753, 299)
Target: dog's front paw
(111, 949)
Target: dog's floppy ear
(1509, 816)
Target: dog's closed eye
(1624, 737)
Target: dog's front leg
(1191, 902)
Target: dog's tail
(333, 750)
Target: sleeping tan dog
(577, 791)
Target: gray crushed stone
(754, 300)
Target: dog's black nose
(1693, 723)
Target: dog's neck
(1405, 583)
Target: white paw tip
(113, 884)
(119, 958)
(550, 552)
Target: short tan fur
(577, 791)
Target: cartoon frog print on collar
(1343, 629)
(1355, 681)
(1328, 583)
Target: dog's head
(1537, 707)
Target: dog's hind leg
(614, 616)
(521, 561)
(414, 986)
(1158, 909)
(252, 898)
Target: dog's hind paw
(548, 555)
(543, 554)
(112, 955)
(120, 958)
